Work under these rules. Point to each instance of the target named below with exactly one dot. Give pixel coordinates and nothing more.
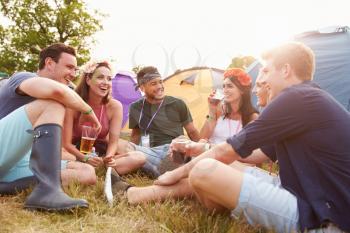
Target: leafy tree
(241, 62)
(35, 24)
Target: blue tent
(332, 51)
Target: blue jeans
(154, 155)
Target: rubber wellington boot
(45, 163)
(13, 187)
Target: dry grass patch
(170, 216)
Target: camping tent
(332, 52)
(194, 86)
(123, 89)
(3, 80)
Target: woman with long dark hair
(229, 116)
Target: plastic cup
(217, 97)
(88, 137)
(178, 154)
(180, 143)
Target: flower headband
(90, 66)
(242, 77)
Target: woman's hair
(87, 71)
(243, 82)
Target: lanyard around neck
(152, 118)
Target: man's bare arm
(192, 132)
(257, 157)
(44, 88)
(135, 136)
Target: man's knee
(201, 172)
(50, 110)
(46, 103)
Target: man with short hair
(32, 110)
(155, 120)
(303, 127)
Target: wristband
(209, 117)
(88, 111)
(86, 158)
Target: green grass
(170, 216)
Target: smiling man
(260, 89)
(155, 120)
(32, 110)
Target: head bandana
(146, 78)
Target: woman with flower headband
(229, 110)
(95, 88)
(236, 112)
(230, 116)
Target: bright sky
(184, 33)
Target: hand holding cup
(215, 97)
(178, 149)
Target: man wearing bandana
(155, 120)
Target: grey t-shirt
(168, 121)
(9, 99)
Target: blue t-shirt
(310, 132)
(9, 99)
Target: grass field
(170, 216)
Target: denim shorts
(15, 141)
(264, 202)
(154, 155)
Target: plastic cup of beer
(180, 143)
(88, 137)
(179, 153)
